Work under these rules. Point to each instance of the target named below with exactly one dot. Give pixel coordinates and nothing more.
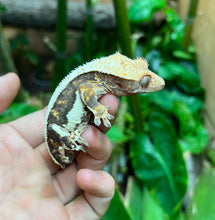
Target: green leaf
(117, 210)
(202, 203)
(176, 25)
(182, 54)
(19, 42)
(160, 164)
(184, 78)
(151, 208)
(32, 57)
(166, 99)
(134, 199)
(15, 111)
(116, 136)
(142, 10)
(211, 155)
(193, 135)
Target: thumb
(98, 187)
(9, 86)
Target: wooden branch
(42, 14)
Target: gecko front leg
(90, 92)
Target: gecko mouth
(155, 88)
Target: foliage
(202, 202)
(15, 111)
(137, 204)
(143, 10)
(20, 45)
(117, 209)
(2, 8)
(172, 123)
(160, 165)
(172, 118)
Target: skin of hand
(32, 186)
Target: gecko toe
(97, 121)
(107, 123)
(110, 117)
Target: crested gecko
(75, 101)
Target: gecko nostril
(145, 81)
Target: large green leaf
(142, 10)
(151, 209)
(134, 199)
(202, 203)
(117, 210)
(160, 164)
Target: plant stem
(5, 57)
(89, 30)
(125, 43)
(61, 29)
(123, 27)
(189, 23)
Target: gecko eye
(145, 81)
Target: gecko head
(147, 83)
(134, 74)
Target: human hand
(32, 186)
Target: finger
(113, 102)
(9, 86)
(98, 152)
(31, 127)
(98, 187)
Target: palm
(27, 182)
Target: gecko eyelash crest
(75, 101)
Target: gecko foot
(101, 114)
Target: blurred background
(163, 155)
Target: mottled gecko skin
(75, 100)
